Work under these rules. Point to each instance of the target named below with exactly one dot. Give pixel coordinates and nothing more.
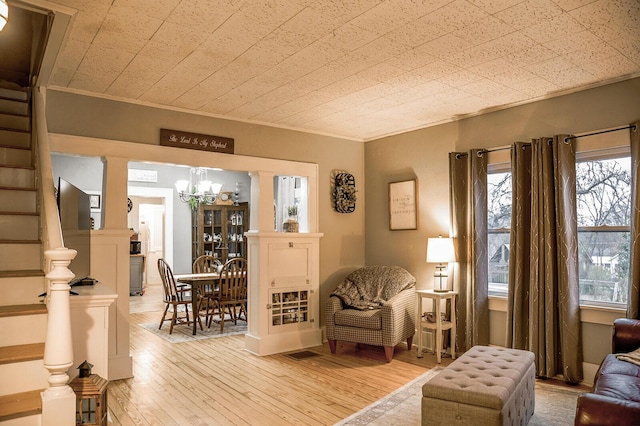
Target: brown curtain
(519, 247)
(554, 307)
(633, 305)
(468, 198)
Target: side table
(439, 326)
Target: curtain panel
(468, 199)
(543, 305)
(519, 247)
(633, 305)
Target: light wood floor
(217, 382)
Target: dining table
(197, 281)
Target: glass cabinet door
(289, 308)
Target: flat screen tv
(75, 220)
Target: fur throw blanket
(371, 286)
(632, 357)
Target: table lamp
(440, 251)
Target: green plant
(292, 210)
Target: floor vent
(302, 355)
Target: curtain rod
(631, 126)
(459, 155)
(566, 140)
(486, 151)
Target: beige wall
(341, 248)
(422, 154)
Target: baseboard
(120, 367)
(589, 373)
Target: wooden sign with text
(179, 139)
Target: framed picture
(94, 201)
(403, 205)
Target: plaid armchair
(374, 305)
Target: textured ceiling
(358, 69)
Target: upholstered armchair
(374, 305)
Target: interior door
(152, 218)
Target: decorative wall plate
(344, 193)
(129, 205)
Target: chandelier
(198, 190)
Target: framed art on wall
(403, 205)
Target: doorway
(151, 236)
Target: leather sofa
(615, 396)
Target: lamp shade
(215, 188)
(182, 185)
(440, 250)
(204, 186)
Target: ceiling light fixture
(201, 191)
(4, 13)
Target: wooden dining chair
(207, 264)
(174, 297)
(232, 296)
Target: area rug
(555, 405)
(182, 332)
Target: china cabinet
(218, 231)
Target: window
(498, 230)
(603, 192)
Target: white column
(114, 192)
(58, 400)
(110, 262)
(262, 213)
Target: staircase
(23, 315)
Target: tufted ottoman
(485, 386)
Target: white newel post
(58, 400)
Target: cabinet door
(236, 227)
(290, 264)
(289, 310)
(220, 231)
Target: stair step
(20, 353)
(17, 177)
(18, 310)
(13, 121)
(22, 274)
(12, 106)
(20, 404)
(15, 319)
(20, 157)
(21, 287)
(18, 200)
(15, 138)
(17, 226)
(20, 255)
(15, 94)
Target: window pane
(498, 224)
(603, 189)
(498, 263)
(498, 200)
(604, 266)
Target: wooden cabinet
(219, 231)
(283, 292)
